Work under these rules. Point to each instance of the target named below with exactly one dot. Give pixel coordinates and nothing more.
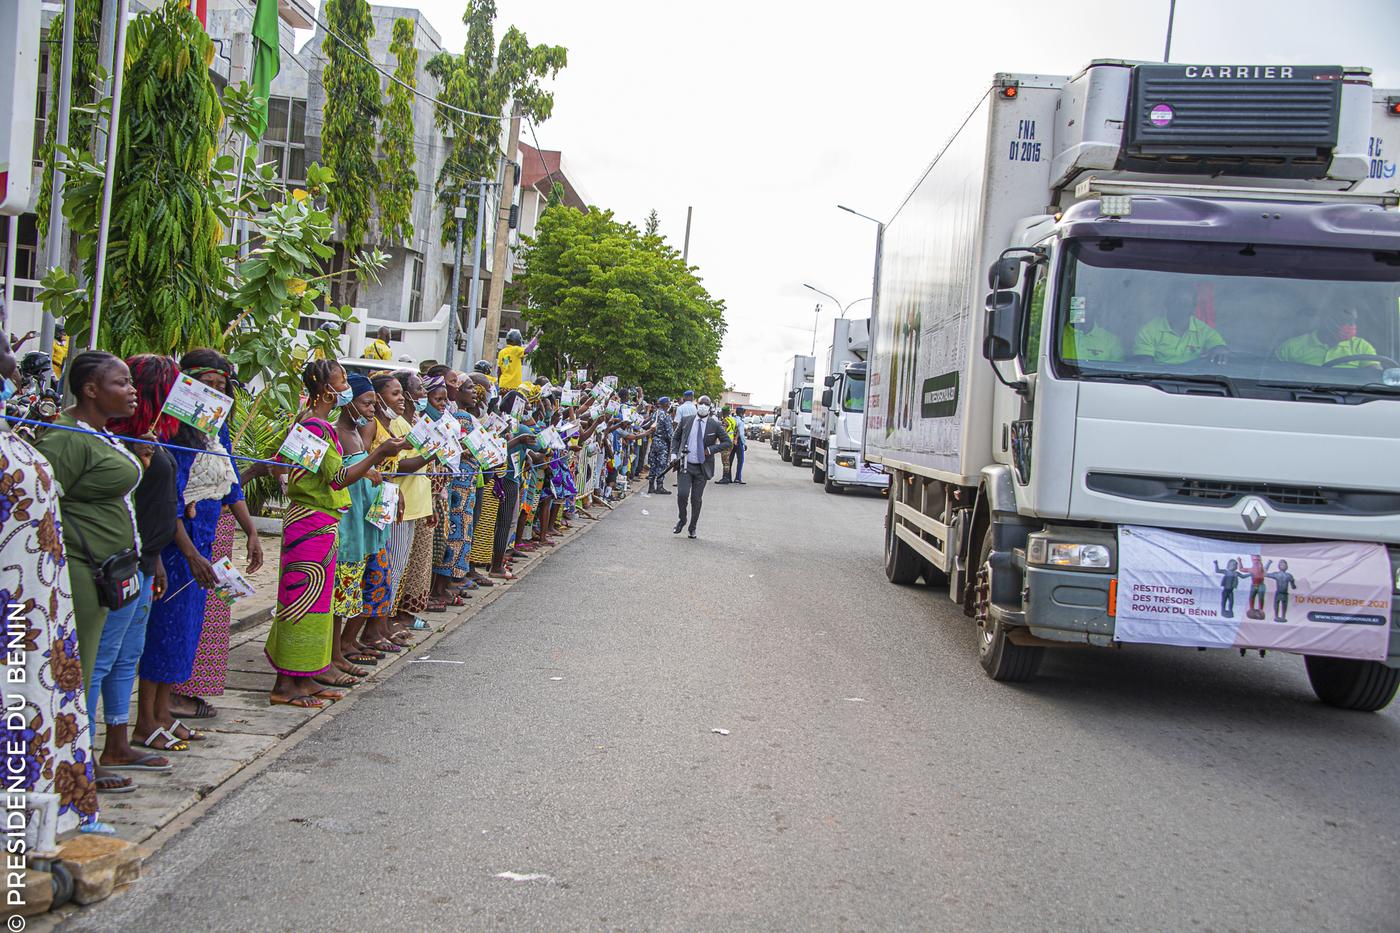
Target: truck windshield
(853, 395)
(807, 399)
(1256, 320)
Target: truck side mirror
(829, 381)
(826, 398)
(1001, 334)
(1004, 274)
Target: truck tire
(817, 475)
(829, 486)
(1365, 686)
(796, 458)
(902, 563)
(785, 452)
(1002, 660)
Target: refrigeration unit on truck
(1136, 368)
(795, 416)
(838, 412)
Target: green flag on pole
(267, 58)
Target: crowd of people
(126, 587)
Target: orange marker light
(1113, 597)
(1010, 91)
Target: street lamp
(844, 308)
(851, 210)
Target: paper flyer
(304, 449)
(569, 398)
(230, 585)
(427, 437)
(551, 438)
(583, 375)
(195, 404)
(487, 449)
(385, 508)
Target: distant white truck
(838, 412)
(795, 414)
(1136, 368)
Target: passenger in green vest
(1084, 339)
(1178, 337)
(1334, 338)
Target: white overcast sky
(763, 115)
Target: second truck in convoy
(838, 411)
(1136, 368)
(795, 414)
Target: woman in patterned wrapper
(52, 725)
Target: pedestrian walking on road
(697, 440)
(660, 454)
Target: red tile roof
(537, 166)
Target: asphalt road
(567, 774)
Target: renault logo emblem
(1253, 515)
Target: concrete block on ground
(98, 864)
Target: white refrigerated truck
(1136, 368)
(795, 414)
(838, 411)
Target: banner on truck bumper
(1327, 598)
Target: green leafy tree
(400, 181)
(81, 118)
(352, 110)
(164, 273)
(484, 79)
(607, 298)
(653, 225)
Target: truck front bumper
(1060, 604)
(847, 469)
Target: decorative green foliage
(400, 181)
(164, 274)
(353, 107)
(485, 78)
(605, 297)
(88, 23)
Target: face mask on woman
(357, 420)
(344, 397)
(420, 405)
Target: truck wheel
(1001, 659)
(785, 452)
(1366, 686)
(796, 458)
(829, 486)
(817, 475)
(902, 563)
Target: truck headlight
(1091, 556)
(846, 460)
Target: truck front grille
(1225, 493)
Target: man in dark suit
(697, 439)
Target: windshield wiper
(1331, 388)
(1178, 378)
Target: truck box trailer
(1136, 368)
(795, 414)
(838, 411)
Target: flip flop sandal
(347, 682)
(302, 701)
(436, 607)
(115, 784)
(388, 646)
(330, 695)
(363, 658)
(194, 734)
(420, 625)
(482, 581)
(173, 743)
(144, 763)
(202, 710)
(356, 672)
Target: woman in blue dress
(205, 484)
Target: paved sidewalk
(246, 728)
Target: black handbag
(118, 578)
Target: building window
(26, 254)
(284, 143)
(41, 112)
(415, 288)
(343, 285)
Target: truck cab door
(1011, 410)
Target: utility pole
(113, 126)
(474, 299)
(1171, 21)
(460, 212)
(685, 249)
(817, 318)
(54, 249)
(501, 254)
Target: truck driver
(1333, 338)
(1178, 336)
(1083, 339)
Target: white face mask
(702, 410)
